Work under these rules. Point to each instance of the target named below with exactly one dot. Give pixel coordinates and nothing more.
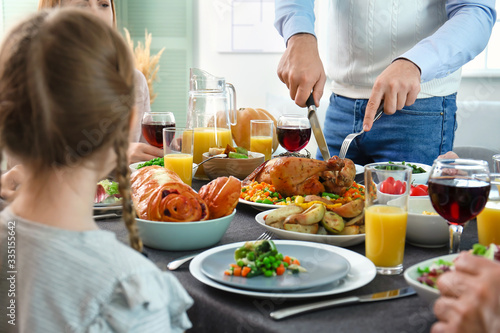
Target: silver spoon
(173, 265)
(208, 159)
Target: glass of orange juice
(488, 221)
(386, 213)
(178, 152)
(261, 137)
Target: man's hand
(470, 297)
(398, 85)
(301, 69)
(139, 152)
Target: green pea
(272, 259)
(266, 260)
(251, 256)
(240, 263)
(279, 256)
(285, 264)
(268, 273)
(268, 265)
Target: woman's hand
(470, 297)
(139, 152)
(11, 180)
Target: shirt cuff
(426, 63)
(298, 24)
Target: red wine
(153, 133)
(293, 138)
(458, 200)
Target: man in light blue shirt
(405, 54)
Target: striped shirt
(68, 281)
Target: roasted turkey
(302, 176)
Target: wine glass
(458, 189)
(153, 123)
(293, 131)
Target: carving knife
(382, 296)
(316, 128)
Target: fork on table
(350, 137)
(173, 265)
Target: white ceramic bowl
(236, 167)
(183, 236)
(411, 275)
(338, 240)
(425, 230)
(418, 178)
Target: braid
(123, 177)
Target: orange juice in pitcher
(212, 111)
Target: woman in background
(55, 88)
(139, 150)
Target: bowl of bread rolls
(172, 216)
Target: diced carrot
(266, 194)
(280, 270)
(237, 271)
(227, 272)
(245, 271)
(296, 262)
(287, 260)
(258, 187)
(234, 265)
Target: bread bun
(221, 196)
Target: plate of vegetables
(361, 272)
(259, 266)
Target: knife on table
(316, 128)
(382, 296)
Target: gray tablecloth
(219, 311)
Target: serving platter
(338, 240)
(322, 264)
(362, 271)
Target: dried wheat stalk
(144, 61)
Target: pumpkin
(241, 131)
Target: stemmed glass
(153, 123)
(293, 131)
(458, 189)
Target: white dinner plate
(338, 240)
(256, 205)
(322, 264)
(262, 206)
(361, 273)
(359, 169)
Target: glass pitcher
(212, 111)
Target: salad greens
(155, 161)
(111, 187)
(429, 275)
(392, 166)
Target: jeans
(417, 133)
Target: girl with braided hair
(66, 108)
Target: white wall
(255, 79)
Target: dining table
(216, 310)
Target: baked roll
(221, 196)
(160, 195)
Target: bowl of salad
(423, 276)
(420, 172)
